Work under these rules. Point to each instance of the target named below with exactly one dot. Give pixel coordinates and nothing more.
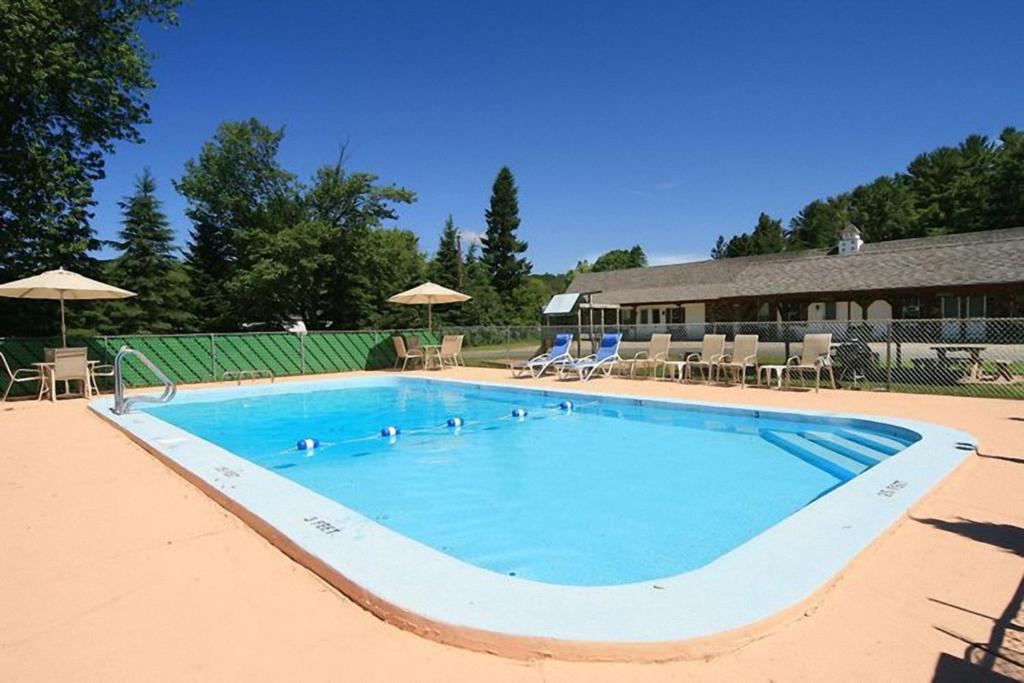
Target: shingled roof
(979, 258)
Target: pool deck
(114, 567)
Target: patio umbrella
(429, 293)
(62, 284)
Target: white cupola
(850, 241)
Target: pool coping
(739, 596)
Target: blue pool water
(611, 492)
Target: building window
(791, 310)
(677, 315)
(644, 316)
(909, 307)
(830, 310)
(763, 313)
(656, 316)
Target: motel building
(963, 279)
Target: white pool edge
(406, 581)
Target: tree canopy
(616, 259)
(74, 75)
(147, 266)
(975, 185)
(502, 246)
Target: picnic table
(973, 352)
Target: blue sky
(662, 124)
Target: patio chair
(71, 365)
(558, 355)
(815, 355)
(743, 356)
(654, 356)
(100, 371)
(403, 355)
(22, 375)
(712, 349)
(603, 361)
(451, 350)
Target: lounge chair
(655, 356)
(451, 350)
(743, 356)
(558, 355)
(403, 355)
(22, 375)
(712, 349)
(815, 355)
(603, 361)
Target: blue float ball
(519, 412)
(390, 431)
(307, 444)
(565, 405)
(455, 421)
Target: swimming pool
(572, 500)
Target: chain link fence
(965, 357)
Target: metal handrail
(124, 405)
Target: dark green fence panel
(192, 358)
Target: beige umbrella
(61, 284)
(429, 293)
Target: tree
(148, 267)
(884, 209)
(501, 247)
(229, 188)
(74, 76)
(355, 206)
(1006, 209)
(720, 250)
(446, 266)
(317, 253)
(618, 259)
(951, 186)
(818, 224)
(767, 237)
(394, 258)
(485, 308)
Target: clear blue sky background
(662, 124)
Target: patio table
(436, 350)
(767, 371)
(46, 370)
(973, 352)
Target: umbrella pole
(63, 332)
(430, 317)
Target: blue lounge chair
(603, 361)
(538, 365)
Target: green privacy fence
(191, 358)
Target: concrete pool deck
(115, 567)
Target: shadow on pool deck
(1006, 536)
(1000, 658)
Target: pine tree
(148, 267)
(446, 268)
(501, 246)
(719, 251)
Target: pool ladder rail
(122, 404)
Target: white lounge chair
(654, 357)
(815, 356)
(712, 349)
(743, 356)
